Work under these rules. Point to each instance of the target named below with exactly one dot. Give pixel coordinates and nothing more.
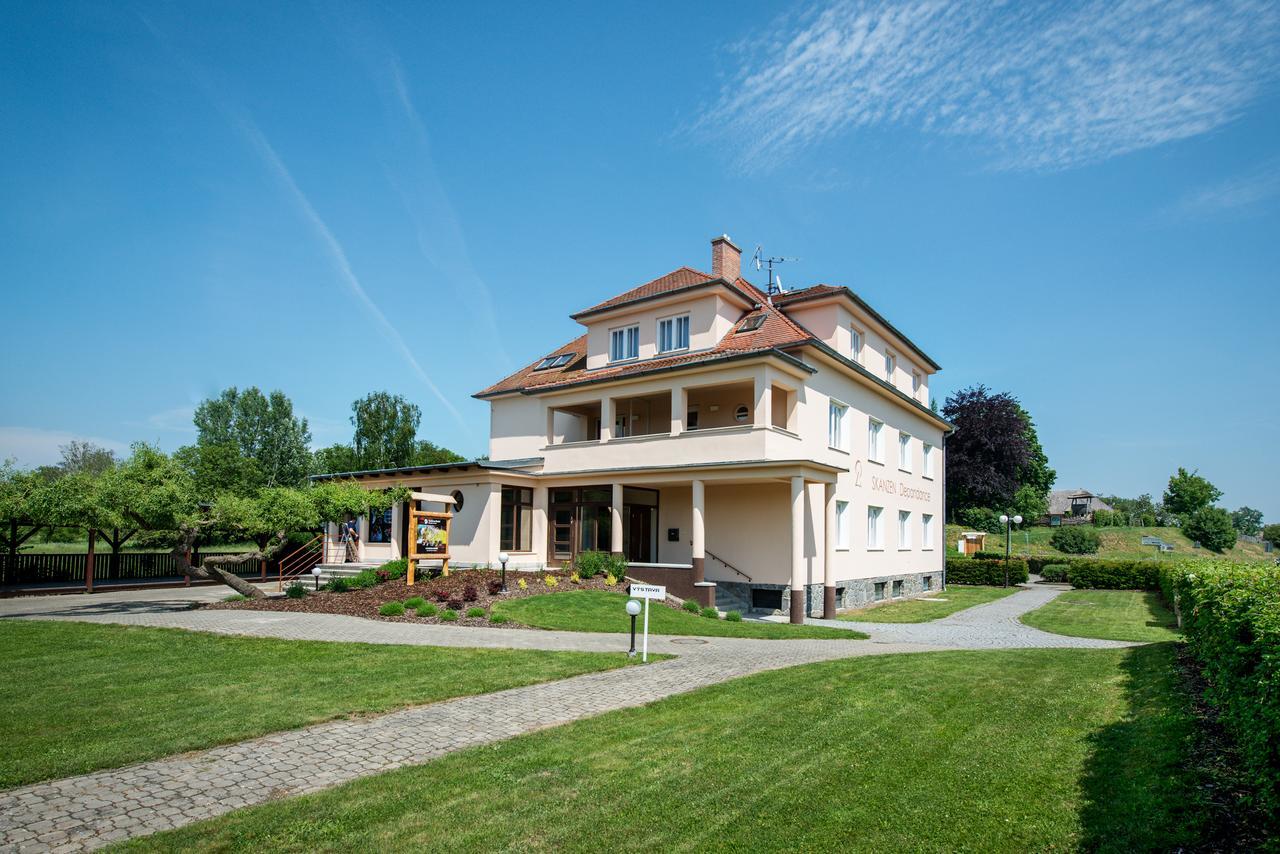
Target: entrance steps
(330, 571)
(729, 599)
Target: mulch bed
(365, 602)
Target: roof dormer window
(624, 343)
(751, 324)
(673, 333)
(557, 360)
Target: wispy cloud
(1239, 195)
(243, 123)
(1039, 85)
(33, 446)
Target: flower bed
(444, 592)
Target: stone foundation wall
(860, 592)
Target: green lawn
(1125, 615)
(1118, 543)
(76, 697)
(943, 603)
(603, 611)
(1013, 750)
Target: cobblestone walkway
(93, 810)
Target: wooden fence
(27, 569)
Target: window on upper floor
(904, 529)
(890, 366)
(904, 451)
(875, 441)
(624, 343)
(875, 534)
(838, 426)
(928, 461)
(855, 344)
(843, 532)
(673, 333)
(917, 380)
(926, 532)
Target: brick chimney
(726, 259)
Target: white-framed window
(875, 441)
(916, 381)
(844, 533)
(673, 333)
(838, 425)
(904, 451)
(855, 344)
(928, 461)
(875, 532)
(890, 366)
(904, 530)
(926, 532)
(624, 343)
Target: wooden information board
(428, 534)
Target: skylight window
(751, 324)
(555, 361)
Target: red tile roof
(685, 277)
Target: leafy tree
(220, 467)
(261, 428)
(1188, 492)
(989, 450)
(1271, 533)
(334, 459)
(1247, 521)
(1035, 478)
(1076, 540)
(428, 454)
(85, 458)
(386, 430)
(1211, 527)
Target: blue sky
(1080, 205)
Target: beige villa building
(767, 452)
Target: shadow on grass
(1160, 615)
(1138, 791)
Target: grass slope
(1014, 750)
(957, 598)
(602, 611)
(1117, 543)
(76, 697)
(1125, 615)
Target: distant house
(1072, 507)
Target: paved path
(92, 810)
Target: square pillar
(797, 550)
(829, 534)
(615, 526)
(539, 539)
(699, 550)
(679, 408)
(764, 400)
(397, 529)
(606, 419)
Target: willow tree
(153, 492)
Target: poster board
(428, 534)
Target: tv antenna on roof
(774, 285)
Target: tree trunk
(211, 568)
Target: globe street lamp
(633, 608)
(315, 573)
(1005, 520)
(503, 557)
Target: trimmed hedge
(1114, 574)
(1230, 614)
(967, 570)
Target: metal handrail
(726, 563)
(299, 561)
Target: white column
(797, 549)
(679, 407)
(540, 500)
(397, 528)
(615, 528)
(606, 419)
(362, 524)
(829, 534)
(699, 551)
(764, 400)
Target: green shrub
(295, 590)
(691, 606)
(1075, 540)
(396, 568)
(448, 615)
(364, 579)
(1212, 528)
(427, 610)
(392, 609)
(981, 519)
(1056, 572)
(1114, 574)
(1147, 520)
(1103, 518)
(338, 585)
(1230, 614)
(591, 564)
(236, 597)
(710, 613)
(477, 611)
(499, 618)
(733, 617)
(414, 602)
(964, 570)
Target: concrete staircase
(330, 571)
(728, 599)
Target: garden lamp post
(633, 608)
(315, 573)
(1008, 534)
(503, 557)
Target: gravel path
(92, 810)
